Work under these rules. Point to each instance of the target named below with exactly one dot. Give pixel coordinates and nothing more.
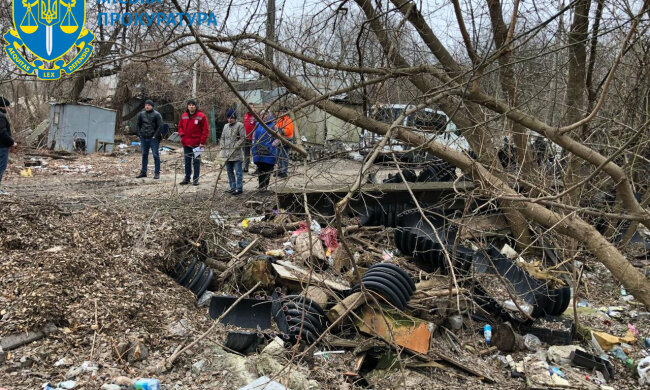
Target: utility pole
(197, 56)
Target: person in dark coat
(7, 143)
(265, 151)
(148, 126)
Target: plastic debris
(487, 333)
(633, 329)
(263, 383)
(608, 341)
(532, 342)
(556, 371)
(248, 220)
(619, 353)
(643, 369)
(147, 384)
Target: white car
(430, 123)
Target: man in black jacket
(148, 125)
(7, 143)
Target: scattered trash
(396, 327)
(85, 367)
(248, 313)
(608, 341)
(26, 172)
(619, 353)
(643, 369)
(263, 383)
(147, 384)
(247, 221)
(487, 333)
(561, 354)
(584, 359)
(556, 371)
(217, 218)
(532, 342)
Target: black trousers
(264, 174)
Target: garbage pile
(413, 298)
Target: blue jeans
(190, 161)
(145, 145)
(235, 168)
(4, 160)
(283, 160)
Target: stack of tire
(390, 282)
(196, 275)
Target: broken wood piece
(317, 294)
(350, 303)
(421, 294)
(289, 271)
(397, 328)
(235, 262)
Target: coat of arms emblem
(49, 29)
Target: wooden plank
(447, 186)
(287, 270)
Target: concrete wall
(81, 120)
(318, 126)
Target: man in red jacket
(193, 128)
(249, 125)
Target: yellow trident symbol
(49, 11)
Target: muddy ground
(85, 247)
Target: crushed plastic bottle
(532, 342)
(619, 353)
(487, 333)
(147, 384)
(556, 371)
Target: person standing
(148, 126)
(249, 125)
(7, 144)
(285, 128)
(233, 137)
(264, 151)
(193, 128)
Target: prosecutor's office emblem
(49, 29)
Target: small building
(81, 127)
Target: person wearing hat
(194, 129)
(7, 143)
(285, 127)
(265, 150)
(233, 137)
(148, 126)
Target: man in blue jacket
(7, 143)
(265, 152)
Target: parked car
(433, 125)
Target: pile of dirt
(90, 274)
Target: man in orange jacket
(285, 128)
(193, 128)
